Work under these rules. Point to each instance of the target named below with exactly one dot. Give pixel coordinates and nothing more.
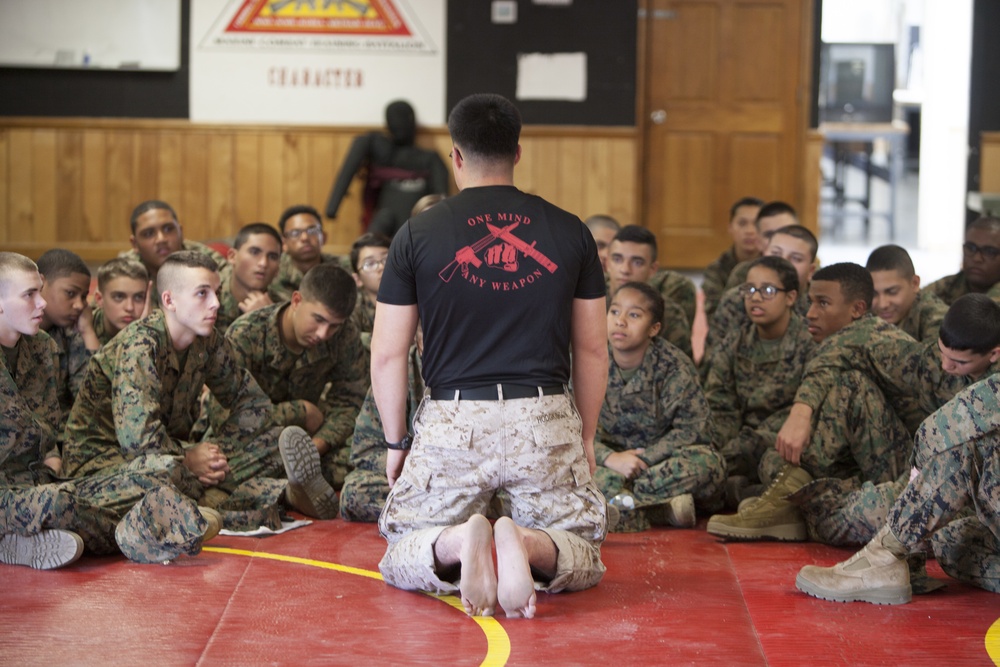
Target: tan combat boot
(677, 511)
(877, 574)
(770, 517)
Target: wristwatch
(402, 445)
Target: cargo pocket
(560, 437)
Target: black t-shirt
(495, 304)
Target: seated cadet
(68, 319)
(898, 298)
(746, 247)
(980, 264)
(632, 257)
(771, 217)
(855, 435)
(45, 524)
(756, 369)
(952, 500)
(302, 230)
(367, 485)
(122, 296)
(156, 233)
(368, 254)
(653, 431)
(917, 378)
(140, 398)
(796, 244)
(253, 263)
(603, 228)
(307, 357)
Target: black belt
(490, 393)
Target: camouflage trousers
(855, 434)
(953, 477)
(698, 469)
(91, 507)
(463, 453)
(363, 495)
(744, 453)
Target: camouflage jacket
(679, 289)
(332, 375)
(73, 359)
(29, 416)
(950, 288)
(750, 379)
(140, 397)
(229, 306)
(715, 277)
(731, 315)
(289, 277)
(661, 408)
(368, 443)
(363, 315)
(924, 319)
(101, 326)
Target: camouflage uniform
(751, 385)
(363, 317)
(332, 375)
(660, 408)
(738, 275)
(675, 328)
(679, 289)
(366, 486)
(957, 452)
(229, 305)
(73, 359)
(31, 498)
(715, 278)
(463, 452)
(136, 409)
(101, 327)
(949, 288)
(289, 277)
(924, 319)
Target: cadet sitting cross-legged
(140, 399)
(653, 432)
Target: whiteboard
(91, 34)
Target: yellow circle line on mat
(993, 642)
(497, 641)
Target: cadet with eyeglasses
(980, 264)
(368, 255)
(302, 230)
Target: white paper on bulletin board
(552, 76)
(99, 34)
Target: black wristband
(403, 445)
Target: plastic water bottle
(623, 501)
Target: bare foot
(516, 588)
(479, 580)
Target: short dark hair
(855, 281)
(331, 286)
(637, 234)
(367, 240)
(801, 233)
(654, 298)
(297, 210)
(121, 267)
(486, 126)
(182, 259)
(773, 208)
(246, 231)
(744, 201)
(787, 275)
(149, 205)
(891, 258)
(58, 263)
(971, 324)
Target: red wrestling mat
(308, 597)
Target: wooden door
(724, 89)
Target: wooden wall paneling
(347, 225)
(221, 219)
(524, 171)
(22, 212)
(295, 157)
(989, 162)
(93, 216)
(571, 174)
(624, 184)
(69, 185)
(146, 179)
(544, 169)
(43, 175)
(271, 177)
(596, 177)
(320, 174)
(121, 198)
(246, 178)
(4, 190)
(193, 205)
(170, 170)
